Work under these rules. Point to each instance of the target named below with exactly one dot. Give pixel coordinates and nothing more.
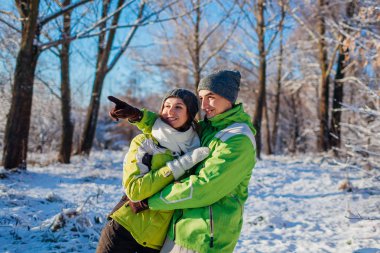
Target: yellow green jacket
(148, 228)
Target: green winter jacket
(149, 227)
(209, 204)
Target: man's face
(213, 104)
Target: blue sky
(83, 62)
(84, 57)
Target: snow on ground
(294, 206)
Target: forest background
(310, 71)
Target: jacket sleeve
(229, 164)
(147, 121)
(139, 182)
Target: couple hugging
(185, 182)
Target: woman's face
(174, 112)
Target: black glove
(139, 206)
(147, 160)
(122, 110)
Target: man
(209, 204)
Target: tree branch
(352, 216)
(128, 39)
(253, 26)
(239, 65)
(9, 14)
(62, 11)
(332, 60)
(205, 38)
(48, 87)
(220, 47)
(299, 20)
(104, 19)
(157, 20)
(280, 24)
(85, 34)
(10, 25)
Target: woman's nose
(171, 110)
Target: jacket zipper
(212, 221)
(211, 228)
(175, 224)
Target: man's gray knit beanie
(224, 83)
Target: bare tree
(323, 138)
(279, 77)
(294, 98)
(268, 148)
(261, 96)
(361, 105)
(342, 62)
(67, 124)
(191, 41)
(17, 127)
(104, 66)
(8, 53)
(18, 122)
(257, 35)
(337, 32)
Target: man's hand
(122, 110)
(139, 206)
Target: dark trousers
(115, 238)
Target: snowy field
(295, 205)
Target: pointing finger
(115, 100)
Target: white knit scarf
(173, 139)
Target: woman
(150, 164)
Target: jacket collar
(235, 114)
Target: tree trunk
(337, 100)
(257, 118)
(92, 114)
(18, 121)
(279, 77)
(335, 138)
(67, 124)
(197, 49)
(101, 72)
(268, 149)
(323, 138)
(296, 127)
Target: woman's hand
(139, 206)
(123, 110)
